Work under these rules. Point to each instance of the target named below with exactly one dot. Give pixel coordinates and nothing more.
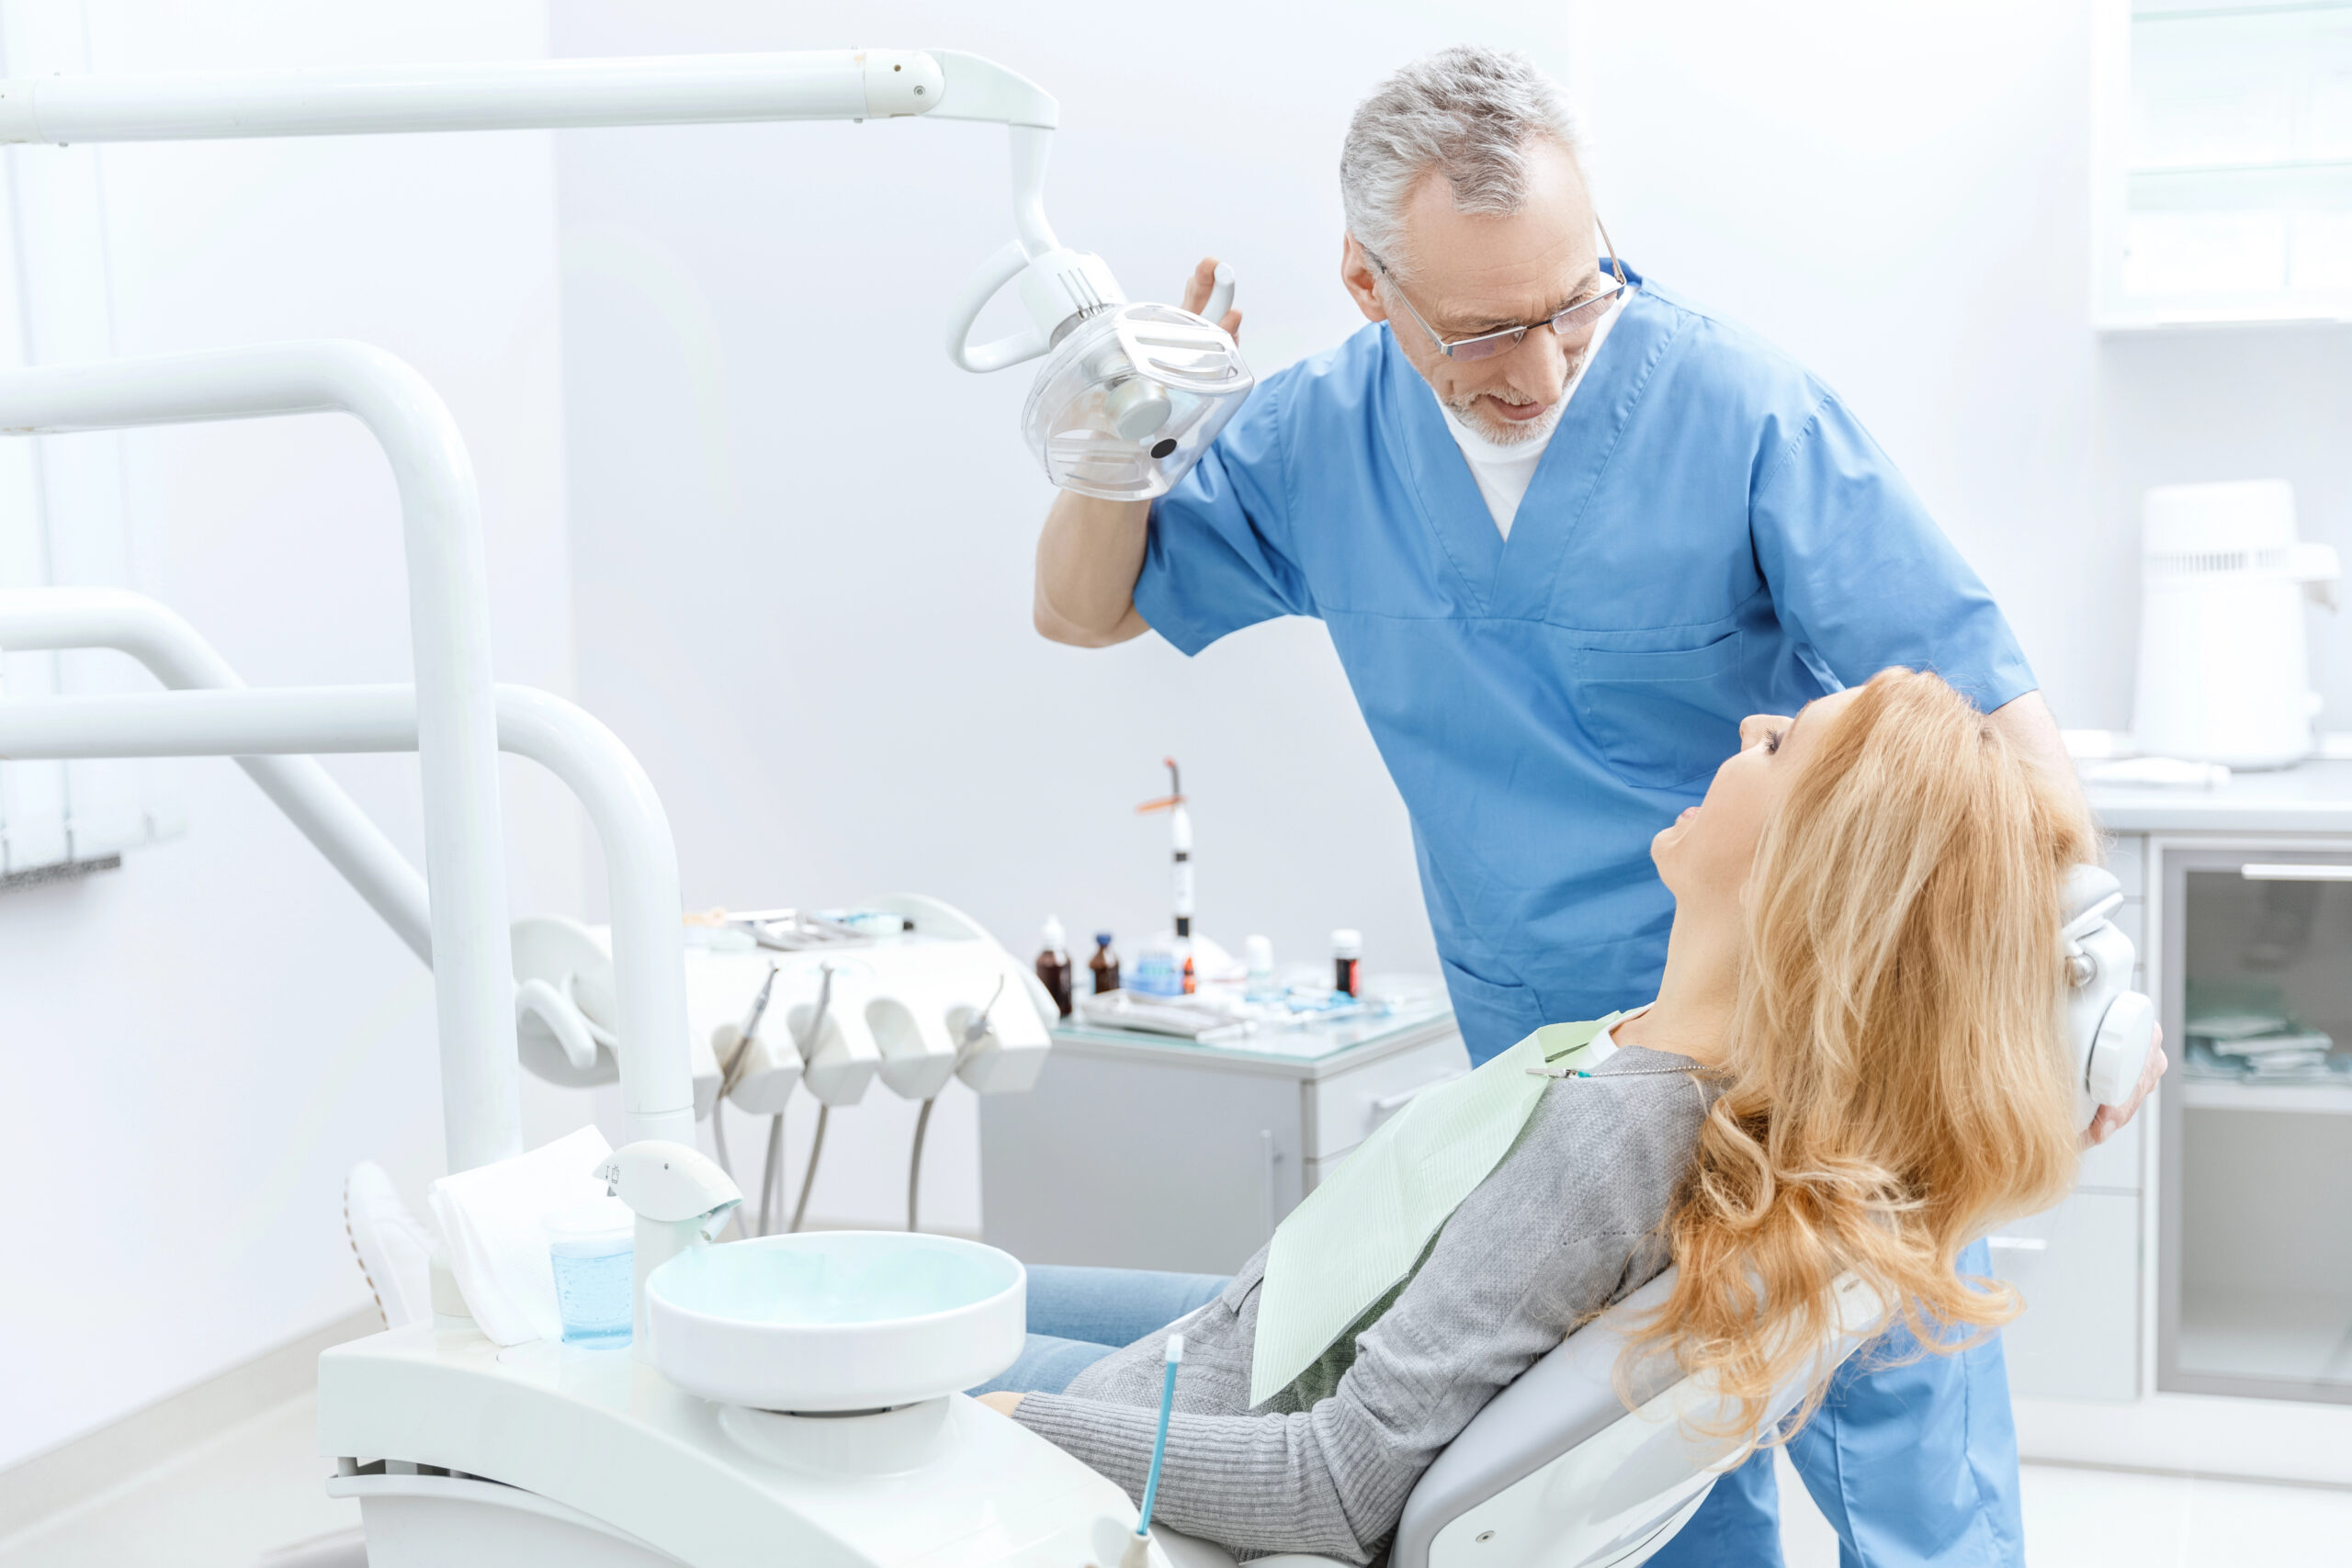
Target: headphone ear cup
(2120, 1047)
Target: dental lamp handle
(682, 1200)
(1220, 299)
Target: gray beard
(1504, 433)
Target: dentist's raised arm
(1091, 549)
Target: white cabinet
(1137, 1153)
(2223, 169)
(2077, 1267)
(2255, 1286)
(2189, 1306)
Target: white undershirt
(1504, 472)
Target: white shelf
(2191, 11)
(2324, 1100)
(2201, 318)
(2290, 1336)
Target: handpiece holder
(682, 1200)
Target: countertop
(2313, 797)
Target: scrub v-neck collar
(1514, 577)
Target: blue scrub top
(1710, 533)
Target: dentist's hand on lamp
(2111, 1118)
(1091, 550)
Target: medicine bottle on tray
(1347, 962)
(1053, 964)
(1105, 965)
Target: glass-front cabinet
(2255, 1209)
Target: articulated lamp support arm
(543, 94)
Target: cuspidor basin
(832, 1321)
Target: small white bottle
(1259, 955)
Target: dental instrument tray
(1186, 1018)
(1285, 1037)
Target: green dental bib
(1361, 1232)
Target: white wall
(1901, 195)
(802, 541)
(195, 1048)
(798, 541)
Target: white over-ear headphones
(2110, 1026)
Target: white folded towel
(491, 1218)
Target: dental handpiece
(751, 1026)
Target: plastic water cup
(593, 1249)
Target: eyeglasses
(1485, 345)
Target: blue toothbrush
(1137, 1547)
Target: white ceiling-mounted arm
(980, 89)
(854, 84)
(1058, 287)
(683, 89)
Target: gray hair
(1468, 112)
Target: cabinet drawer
(2078, 1269)
(1341, 1110)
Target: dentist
(1567, 529)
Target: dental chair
(1554, 1472)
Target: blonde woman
(1853, 1063)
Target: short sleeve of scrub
(1862, 575)
(1215, 559)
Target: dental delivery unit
(790, 1398)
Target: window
(62, 503)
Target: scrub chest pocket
(1660, 720)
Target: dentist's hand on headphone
(1196, 295)
(2111, 1118)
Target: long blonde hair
(1898, 1082)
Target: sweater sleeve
(1536, 1247)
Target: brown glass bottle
(1104, 964)
(1053, 964)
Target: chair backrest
(1556, 1472)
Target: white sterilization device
(2224, 673)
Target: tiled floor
(2113, 1518)
(255, 1489)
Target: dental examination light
(1130, 394)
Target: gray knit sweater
(1566, 1224)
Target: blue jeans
(1077, 1317)
(1911, 1464)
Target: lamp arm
(685, 89)
(527, 95)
